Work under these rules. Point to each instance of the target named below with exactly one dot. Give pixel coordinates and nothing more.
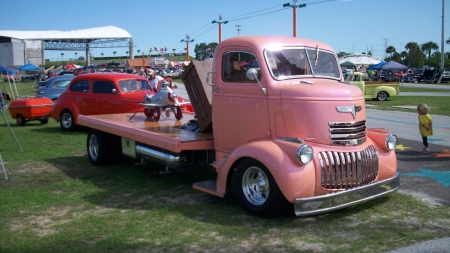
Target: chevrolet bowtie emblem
(352, 109)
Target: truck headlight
(305, 154)
(391, 142)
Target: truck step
(208, 186)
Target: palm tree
(127, 53)
(411, 47)
(428, 47)
(138, 51)
(76, 55)
(102, 55)
(390, 50)
(114, 54)
(62, 57)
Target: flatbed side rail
(164, 134)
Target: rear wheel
(157, 114)
(382, 95)
(66, 120)
(178, 113)
(97, 147)
(257, 190)
(148, 112)
(20, 120)
(44, 120)
(415, 80)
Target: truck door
(240, 111)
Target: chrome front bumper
(334, 201)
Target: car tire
(415, 80)
(20, 120)
(382, 96)
(257, 190)
(66, 120)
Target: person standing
(153, 79)
(425, 125)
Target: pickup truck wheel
(415, 80)
(382, 95)
(97, 147)
(20, 120)
(66, 120)
(257, 190)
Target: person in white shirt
(153, 79)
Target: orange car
(99, 93)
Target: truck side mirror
(252, 74)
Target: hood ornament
(351, 109)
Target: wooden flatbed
(163, 134)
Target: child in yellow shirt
(425, 125)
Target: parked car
(170, 73)
(54, 87)
(442, 76)
(99, 93)
(40, 84)
(66, 73)
(417, 75)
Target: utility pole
(442, 37)
(187, 45)
(238, 28)
(294, 9)
(220, 22)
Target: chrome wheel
(255, 186)
(93, 147)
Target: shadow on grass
(130, 186)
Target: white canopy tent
(360, 60)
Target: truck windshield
(292, 62)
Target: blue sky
(351, 26)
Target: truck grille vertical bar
(344, 170)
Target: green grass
(56, 201)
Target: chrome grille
(347, 133)
(344, 170)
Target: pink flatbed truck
(275, 119)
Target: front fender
(391, 91)
(293, 178)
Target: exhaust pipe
(168, 160)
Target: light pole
(238, 28)
(187, 45)
(220, 22)
(294, 9)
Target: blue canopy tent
(393, 65)
(29, 67)
(376, 66)
(5, 71)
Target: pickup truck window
(235, 65)
(293, 62)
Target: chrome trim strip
(342, 199)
